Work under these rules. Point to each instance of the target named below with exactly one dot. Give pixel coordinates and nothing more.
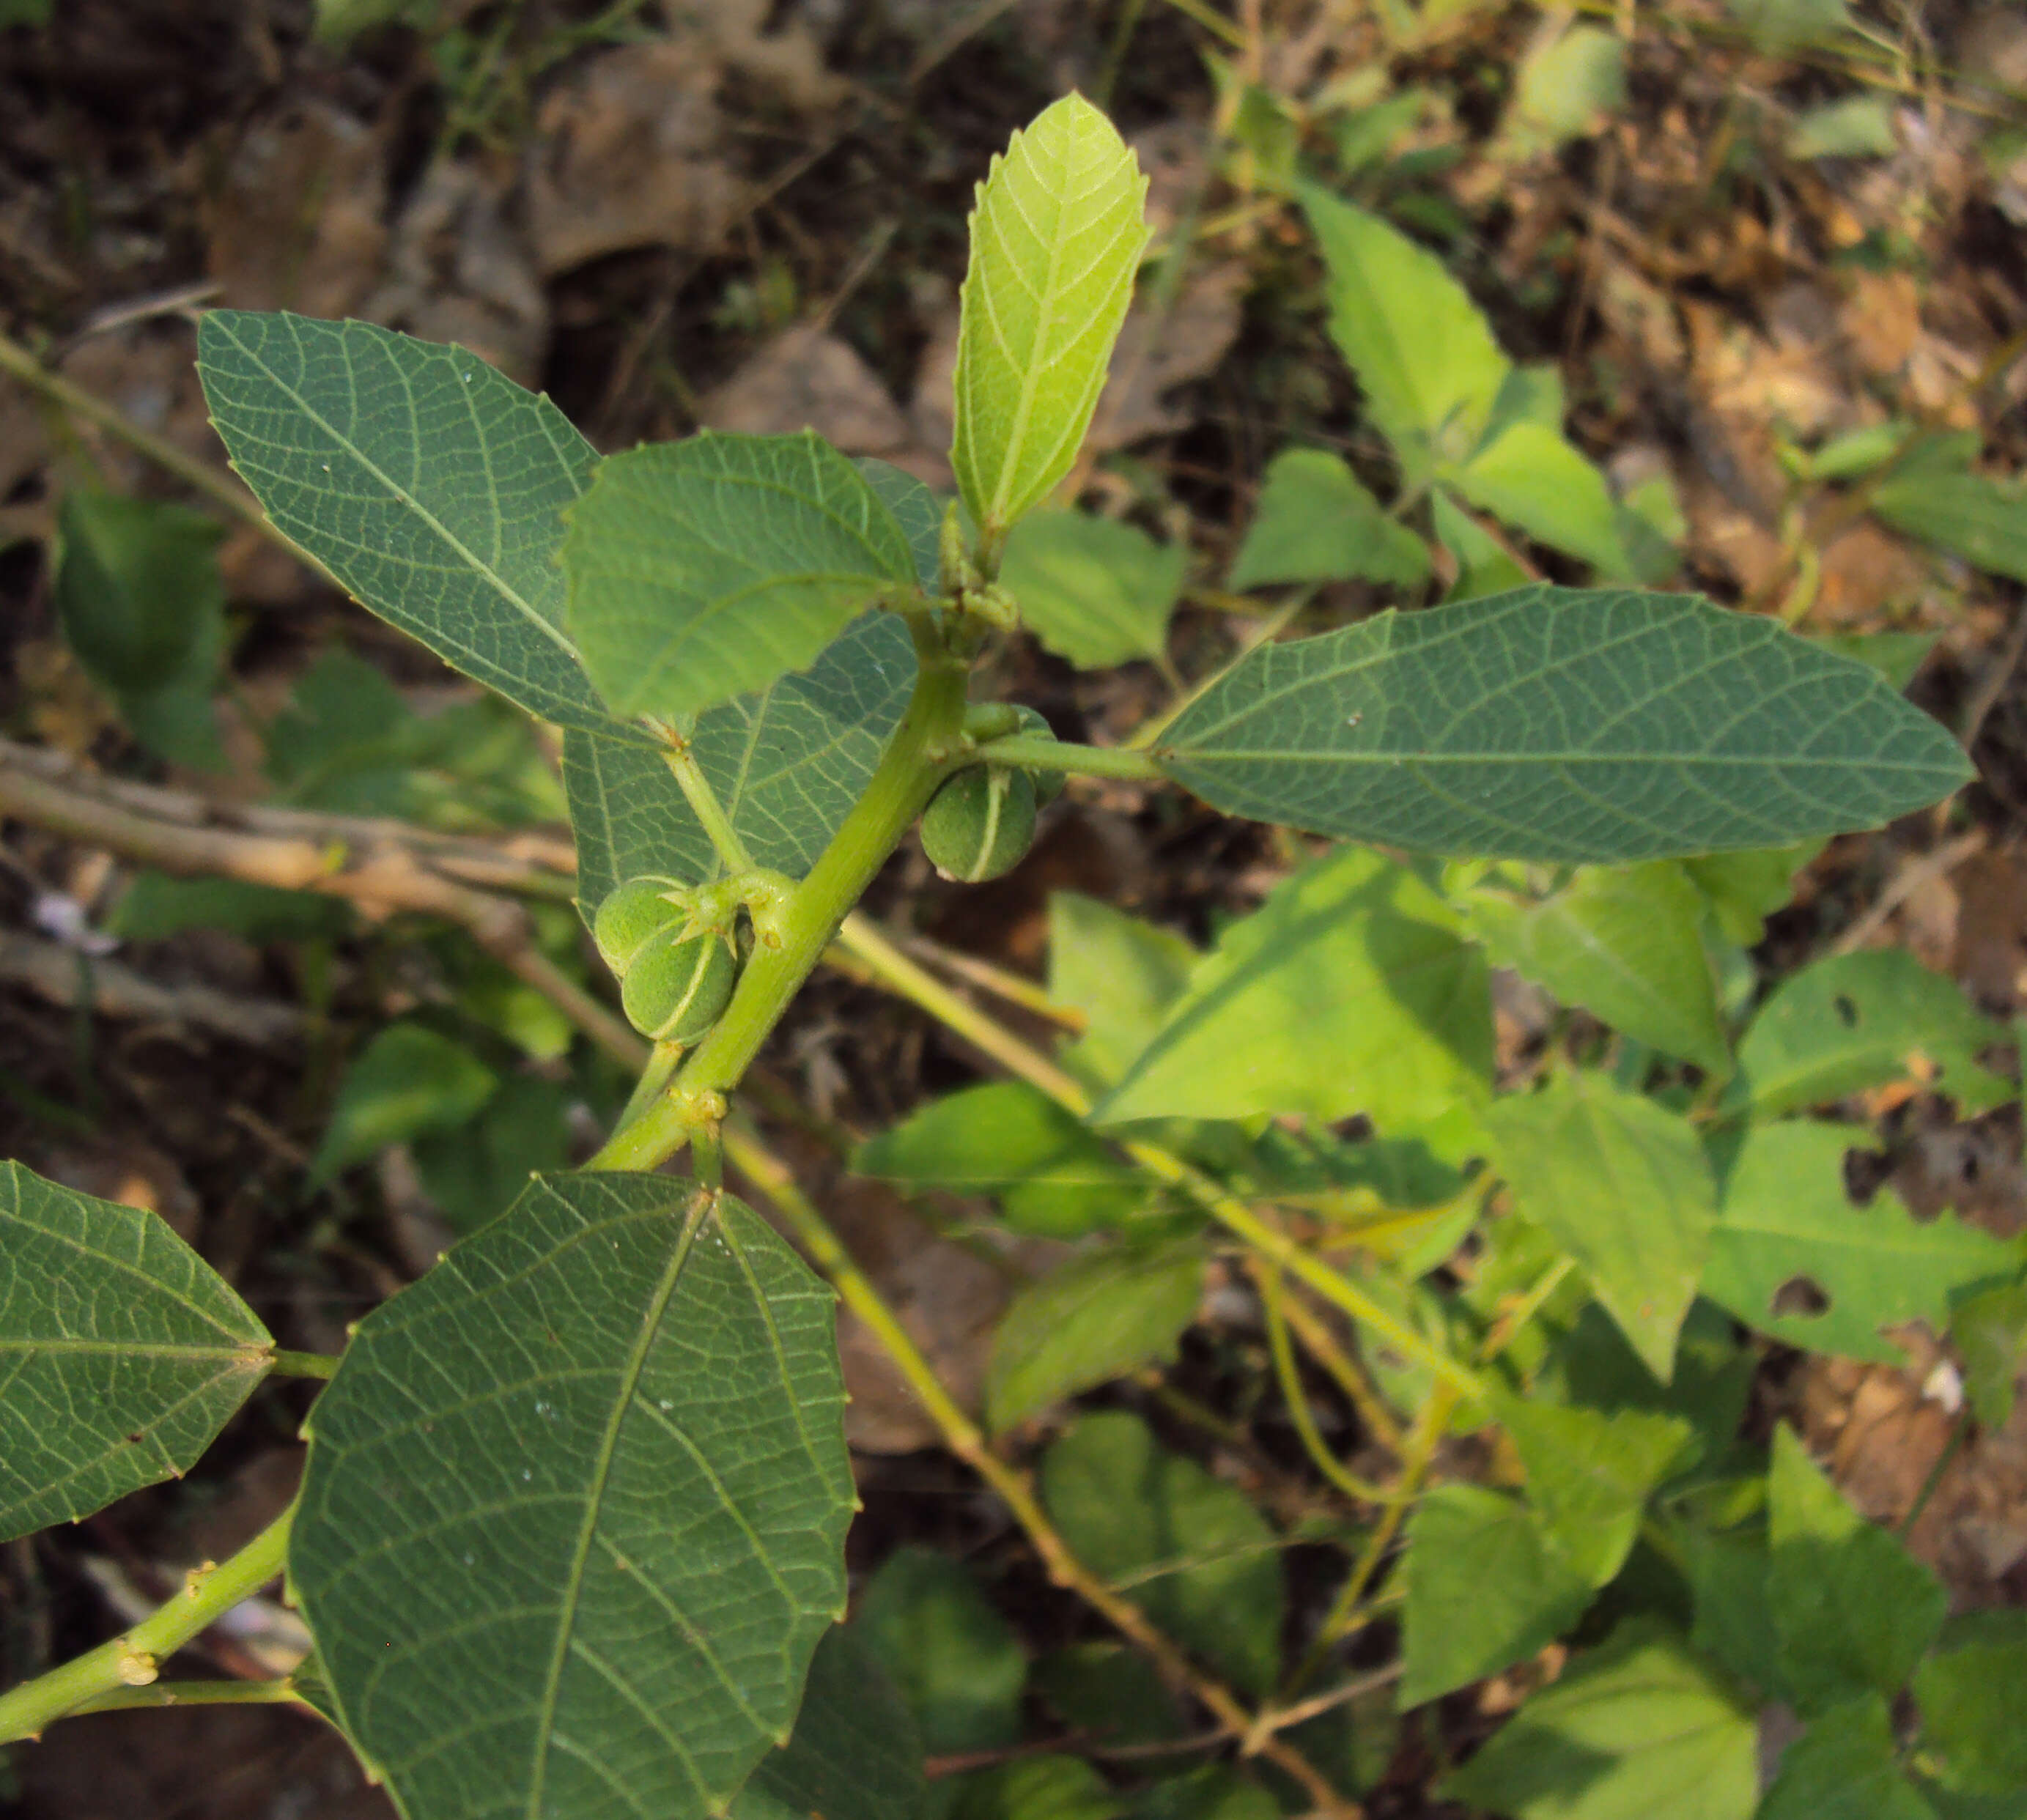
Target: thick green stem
(288, 1364)
(134, 1659)
(1035, 754)
(918, 757)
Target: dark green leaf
(573, 1518)
(1486, 1588)
(1791, 1256)
(1316, 523)
(1592, 1363)
(1214, 1792)
(1046, 1788)
(1626, 944)
(408, 1080)
(1189, 1550)
(1845, 1766)
(787, 762)
(1560, 724)
(1351, 990)
(854, 1755)
(1090, 1321)
(1109, 1692)
(1590, 1474)
(1972, 1699)
(701, 569)
(1853, 1611)
(956, 1660)
(918, 511)
(137, 592)
(1734, 1620)
(1638, 1729)
(1622, 1186)
(475, 1171)
(432, 486)
(1093, 590)
(1052, 1177)
(122, 1352)
(1861, 1021)
(158, 905)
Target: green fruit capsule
(980, 823)
(633, 914)
(674, 991)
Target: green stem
(918, 758)
(192, 1693)
(1035, 754)
(132, 1659)
(709, 812)
(301, 1364)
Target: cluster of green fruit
(675, 976)
(980, 822)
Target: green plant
(570, 1536)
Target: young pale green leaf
(700, 570)
(855, 1754)
(1053, 1178)
(1093, 590)
(1056, 240)
(122, 1352)
(1622, 1186)
(1485, 566)
(1121, 972)
(1855, 126)
(1350, 990)
(956, 1662)
(1088, 1321)
(1560, 724)
(1191, 1551)
(408, 1080)
(1778, 25)
(1638, 1729)
(1486, 1588)
(1744, 888)
(1862, 1020)
(1530, 476)
(1422, 352)
(431, 485)
(1567, 84)
(1626, 944)
(1316, 523)
(1971, 515)
(1791, 1256)
(1971, 1697)
(137, 592)
(1590, 1474)
(1845, 1766)
(573, 1518)
(1853, 1611)
(787, 763)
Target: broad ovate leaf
(1316, 521)
(431, 485)
(1560, 724)
(1528, 475)
(855, 1754)
(1791, 1256)
(1622, 1186)
(1352, 990)
(1845, 1766)
(703, 569)
(1422, 352)
(122, 1352)
(1120, 972)
(1056, 240)
(573, 1518)
(787, 762)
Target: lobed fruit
(674, 989)
(634, 913)
(980, 823)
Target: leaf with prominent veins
(572, 1520)
(122, 1353)
(431, 485)
(1056, 240)
(1561, 724)
(699, 570)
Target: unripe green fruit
(980, 823)
(1048, 784)
(674, 991)
(636, 911)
